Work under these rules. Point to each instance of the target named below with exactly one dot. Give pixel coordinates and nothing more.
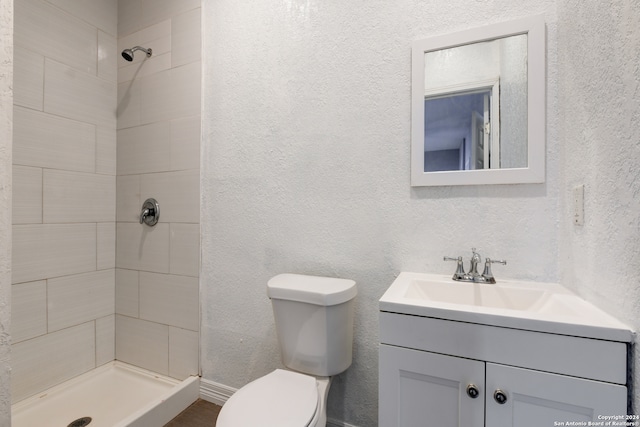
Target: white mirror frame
(534, 27)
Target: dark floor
(200, 414)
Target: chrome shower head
(128, 53)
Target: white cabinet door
(421, 389)
(535, 399)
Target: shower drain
(80, 422)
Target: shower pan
(113, 395)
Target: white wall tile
(157, 10)
(105, 339)
(65, 354)
(106, 150)
(177, 193)
(171, 94)
(64, 122)
(78, 197)
(185, 143)
(54, 33)
(142, 343)
(129, 16)
(170, 299)
(144, 149)
(77, 299)
(78, 95)
(28, 78)
(99, 13)
(186, 42)
(129, 104)
(27, 195)
(107, 59)
(127, 293)
(144, 67)
(184, 252)
(140, 247)
(158, 152)
(183, 353)
(160, 147)
(128, 202)
(45, 140)
(28, 310)
(106, 245)
(50, 250)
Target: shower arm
(148, 51)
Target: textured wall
(599, 134)
(305, 169)
(6, 117)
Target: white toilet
(314, 323)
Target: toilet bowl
(280, 399)
(314, 323)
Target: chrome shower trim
(128, 53)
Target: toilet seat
(279, 399)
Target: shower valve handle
(150, 213)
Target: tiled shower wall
(64, 193)
(80, 300)
(158, 140)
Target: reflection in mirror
(456, 131)
(465, 88)
(478, 106)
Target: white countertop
(534, 306)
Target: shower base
(113, 395)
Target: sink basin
(544, 307)
(477, 294)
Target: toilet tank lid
(316, 290)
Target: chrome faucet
(475, 260)
(473, 275)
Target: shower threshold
(113, 395)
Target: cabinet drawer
(581, 357)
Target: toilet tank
(314, 322)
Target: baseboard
(215, 392)
(219, 393)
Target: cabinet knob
(472, 391)
(500, 396)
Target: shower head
(128, 53)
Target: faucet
(473, 275)
(475, 260)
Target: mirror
(478, 106)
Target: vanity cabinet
(441, 373)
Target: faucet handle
(487, 274)
(459, 274)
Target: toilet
(314, 323)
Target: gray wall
(305, 169)
(598, 134)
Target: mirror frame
(534, 27)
